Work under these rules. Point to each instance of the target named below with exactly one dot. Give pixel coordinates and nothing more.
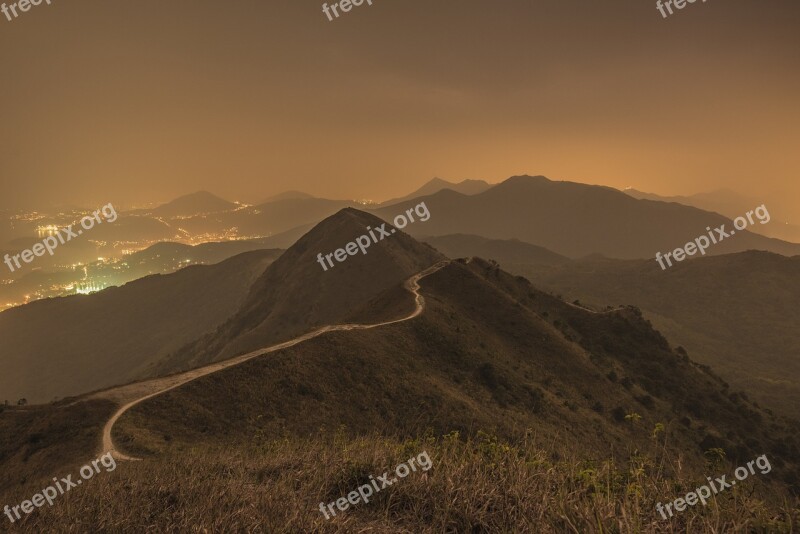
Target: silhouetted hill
(576, 220)
(194, 204)
(295, 294)
(71, 345)
(465, 187)
(287, 195)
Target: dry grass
(477, 485)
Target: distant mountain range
(570, 219)
(732, 205)
(723, 201)
(576, 220)
(198, 203)
(287, 195)
(465, 187)
(532, 224)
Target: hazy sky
(143, 101)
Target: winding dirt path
(130, 395)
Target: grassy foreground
(475, 485)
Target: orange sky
(144, 101)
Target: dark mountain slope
(737, 313)
(295, 294)
(489, 353)
(71, 345)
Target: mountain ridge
(270, 312)
(577, 220)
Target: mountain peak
(526, 178)
(288, 195)
(193, 204)
(435, 185)
(296, 294)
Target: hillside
(546, 412)
(737, 313)
(490, 352)
(295, 294)
(516, 372)
(577, 220)
(66, 346)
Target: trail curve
(132, 394)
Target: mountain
(288, 195)
(501, 250)
(489, 352)
(489, 358)
(737, 312)
(576, 220)
(465, 187)
(723, 201)
(537, 406)
(194, 204)
(732, 205)
(71, 345)
(295, 294)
